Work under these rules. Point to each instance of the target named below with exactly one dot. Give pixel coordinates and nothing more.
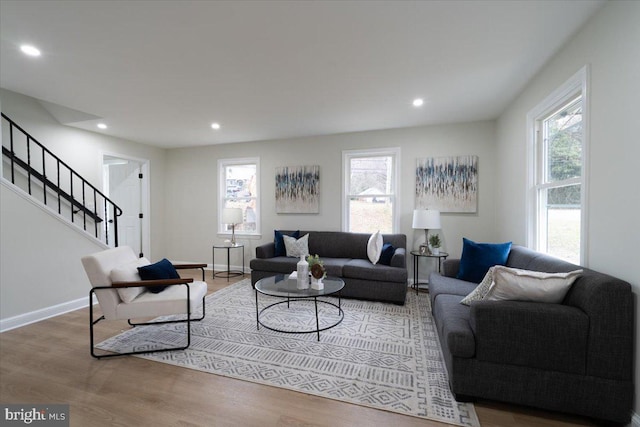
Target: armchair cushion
(160, 270)
(129, 273)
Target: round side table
(229, 273)
(416, 258)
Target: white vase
(435, 251)
(303, 273)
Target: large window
(370, 191)
(239, 188)
(557, 173)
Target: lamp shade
(426, 218)
(231, 216)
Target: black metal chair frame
(184, 282)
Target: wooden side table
(229, 273)
(416, 257)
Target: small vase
(317, 284)
(303, 273)
(435, 251)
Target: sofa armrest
(399, 258)
(450, 267)
(268, 250)
(539, 335)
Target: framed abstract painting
(447, 184)
(298, 189)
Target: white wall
(192, 185)
(609, 44)
(40, 259)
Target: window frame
(222, 197)
(347, 156)
(537, 184)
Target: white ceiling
(161, 72)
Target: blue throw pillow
(478, 258)
(160, 270)
(278, 239)
(387, 253)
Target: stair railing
(68, 192)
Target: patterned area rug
(382, 355)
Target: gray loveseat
(345, 256)
(574, 357)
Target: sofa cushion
(526, 285)
(374, 247)
(439, 284)
(481, 291)
(387, 253)
(477, 258)
(297, 247)
(278, 240)
(452, 322)
(280, 264)
(363, 269)
(335, 266)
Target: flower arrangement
(316, 267)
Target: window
(239, 188)
(557, 172)
(370, 190)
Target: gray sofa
(345, 256)
(574, 357)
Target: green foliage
(434, 241)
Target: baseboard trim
(42, 314)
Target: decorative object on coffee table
(318, 272)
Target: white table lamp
(428, 219)
(232, 216)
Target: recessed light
(215, 126)
(30, 50)
(418, 102)
(101, 125)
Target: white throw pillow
(374, 247)
(481, 290)
(524, 285)
(298, 247)
(129, 273)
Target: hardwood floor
(49, 362)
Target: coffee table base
(317, 330)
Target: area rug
(381, 355)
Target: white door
(124, 185)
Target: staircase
(30, 166)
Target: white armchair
(121, 294)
